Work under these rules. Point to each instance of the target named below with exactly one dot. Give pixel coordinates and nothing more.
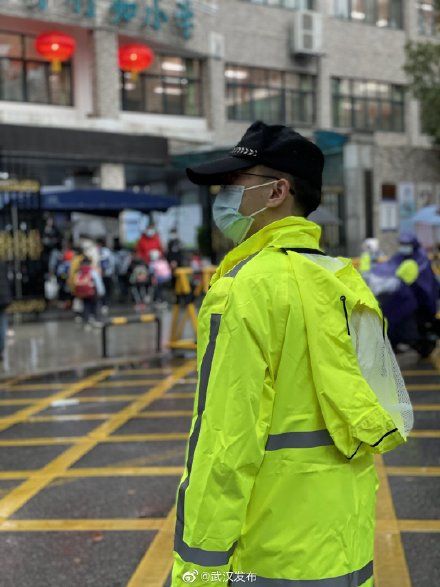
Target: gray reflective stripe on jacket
(353, 579)
(299, 440)
(197, 555)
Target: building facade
(332, 69)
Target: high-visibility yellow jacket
(279, 480)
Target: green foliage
(423, 69)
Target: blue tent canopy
(104, 202)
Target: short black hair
(307, 196)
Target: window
(273, 96)
(171, 86)
(291, 4)
(428, 18)
(381, 13)
(26, 77)
(368, 105)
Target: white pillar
(106, 76)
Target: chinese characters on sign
(155, 16)
(85, 8)
(185, 18)
(152, 13)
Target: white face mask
(226, 215)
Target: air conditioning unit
(306, 33)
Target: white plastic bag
(77, 305)
(51, 288)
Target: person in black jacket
(5, 300)
(174, 250)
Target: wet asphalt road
(89, 467)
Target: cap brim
(214, 173)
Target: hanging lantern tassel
(55, 66)
(55, 47)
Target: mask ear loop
(254, 187)
(260, 186)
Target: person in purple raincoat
(408, 307)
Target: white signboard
(131, 225)
(388, 215)
(407, 204)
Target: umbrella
(427, 215)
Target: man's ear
(279, 193)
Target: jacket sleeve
(357, 389)
(232, 413)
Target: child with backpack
(88, 287)
(62, 275)
(107, 265)
(140, 282)
(161, 275)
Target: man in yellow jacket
(297, 388)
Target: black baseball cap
(276, 146)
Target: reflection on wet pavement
(41, 346)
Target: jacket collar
(291, 231)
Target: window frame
(435, 29)
(349, 18)
(162, 78)
(286, 93)
(282, 4)
(25, 62)
(395, 103)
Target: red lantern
(56, 47)
(135, 58)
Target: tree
(423, 70)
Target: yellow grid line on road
(108, 398)
(69, 418)
(54, 440)
(425, 434)
(426, 407)
(179, 394)
(414, 471)
(128, 383)
(165, 414)
(18, 474)
(419, 526)
(147, 371)
(36, 387)
(69, 525)
(49, 441)
(391, 569)
(40, 404)
(85, 417)
(125, 471)
(157, 561)
(111, 471)
(58, 466)
(21, 402)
